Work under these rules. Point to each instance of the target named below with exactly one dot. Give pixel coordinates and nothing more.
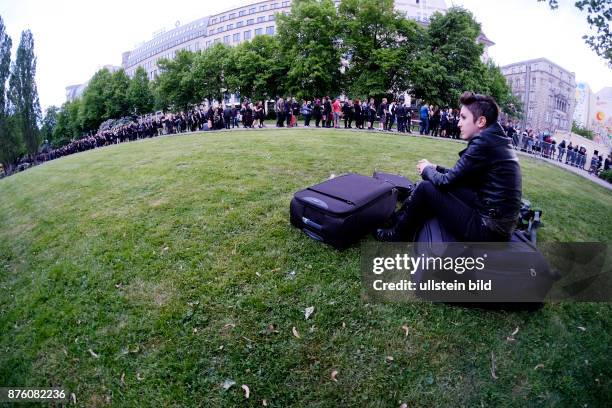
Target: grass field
(149, 273)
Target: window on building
(270, 30)
(250, 21)
(285, 4)
(226, 39)
(230, 27)
(213, 21)
(211, 32)
(259, 31)
(247, 35)
(221, 19)
(241, 13)
(220, 29)
(252, 10)
(274, 5)
(239, 24)
(208, 43)
(261, 19)
(217, 40)
(271, 17)
(233, 15)
(263, 8)
(236, 38)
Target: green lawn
(171, 258)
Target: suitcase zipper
(349, 202)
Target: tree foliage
(139, 95)
(23, 95)
(10, 145)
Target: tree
(175, 86)
(582, 131)
(93, 107)
(210, 68)
(10, 145)
(258, 70)
(23, 94)
(117, 103)
(378, 43)
(599, 14)
(68, 126)
(49, 123)
(310, 38)
(139, 94)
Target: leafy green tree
(258, 70)
(310, 38)
(175, 86)
(117, 103)
(49, 123)
(23, 95)
(378, 43)
(68, 124)
(582, 131)
(209, 73)
(139, 94)
(10, 144)
(93, 107)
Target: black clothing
(490, 167)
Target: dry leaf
(258, 274)
(511, 337)
(343, 325)
(227, 384)
(264, 403)
(94, 355)
(139, 377)
(404, 405)
(538, 366)
(405, 329)
(581, 328)
(247, 392)
(272, 328)
(493, 366)
(334, 374)
(389, 359)
(73, 398)
(295, 332)
(123, 379)
(308, 312)
(195, 330)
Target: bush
(606, 175)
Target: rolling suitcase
(342, 210)
(402, 184)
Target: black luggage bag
(520, 274)
(342, 210)
(403, 185)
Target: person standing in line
(317, 112)
(280, 112)
(424, 118)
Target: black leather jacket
(490, 167)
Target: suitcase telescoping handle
(312, 235)
(312, 224)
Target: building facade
(235, 26)
(547, 92)
(76, 91)
(601, 117)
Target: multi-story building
(601, 117)
(547, 91)
(76, 91)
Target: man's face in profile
(467, 125)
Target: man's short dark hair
(481, 105)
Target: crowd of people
(395, 115)
(541, 143)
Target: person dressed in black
(317, 112)
(479, 198)
(358, 113)
(347, 112)
(327, 112)
(227, 116)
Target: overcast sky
(74, 38)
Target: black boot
(397, 231)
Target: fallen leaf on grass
(404, 405)
(123, 379)
(139, 377)
(308, 312)
(511, 337)
(295, 332)
(264, 403)
(493, 366)
(405, 329)
(343, 325)
(333, 375)
(581, 328)
(247, 391)
(389, 359)
(538, 366)
(258, 274)
(227, 384)
(73, 398)
(94, 355)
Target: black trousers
(280, 119)
(454, 209)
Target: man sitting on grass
(479, 198)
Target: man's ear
(481, 122)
